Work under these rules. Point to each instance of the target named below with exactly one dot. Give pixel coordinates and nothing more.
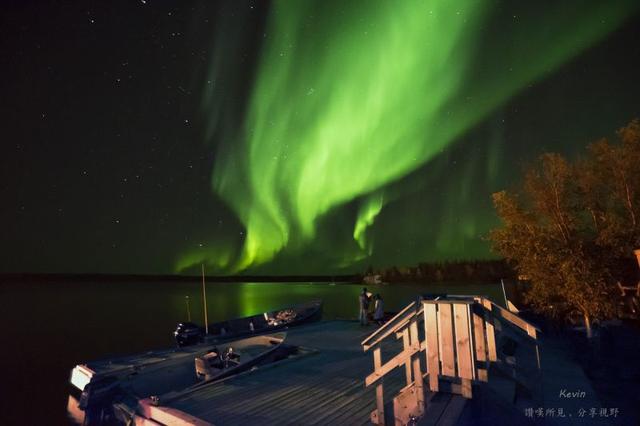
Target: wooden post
(432, 352)
(204, 301)
(188, 309)
(377, 363)
(491, 337)
(531, 331)
(481, 348)
(504, 294)
(417, 371)
(406, 347)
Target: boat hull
(156, 373)
(263, 323)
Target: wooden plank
(432, 353)
(390, 327)
(168, 415)
(446, 339)
(452, 301)
(377, 364)
(491, 337)
(464, 353)
(406, 345)
(480, 348)
(466, 388)
(407, 404)
(501, 313)
(394, 362)
(333, 397)
(512, 318)
(417, 370)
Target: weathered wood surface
(490, 331)
(458, 339)
(482, 361)
(405, 346)
(377, 366)
(418, 378)
(464, 354)
(432, 355)
(324, 388)
(447, 356)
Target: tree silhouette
(571, 226)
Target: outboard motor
(97, 392)
(187, 333)
(96, 399)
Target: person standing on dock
(364, 306)
(378, 309)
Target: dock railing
(458, 336)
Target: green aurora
(351, 104)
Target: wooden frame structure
(458, 337)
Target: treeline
(458, 271)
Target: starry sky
(280, 137)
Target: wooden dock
(455, 360)
(325, 386)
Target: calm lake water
(48, 328)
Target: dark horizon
(70, 277)
(470, 271)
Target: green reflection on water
(233, 300)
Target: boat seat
(207, 367)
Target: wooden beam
(406, 345)
(432, 352)
(377, 363)
(447, 356)
(465, 355)
(491, 338)
(480, 347)
(452, 301)
(509, 317)
(394, 362)
(417, 370)
(463, 347)
(390, 327)
(166, 415)
(466, 388)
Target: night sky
(289, 137)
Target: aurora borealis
(349, 99)
(304, 137)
